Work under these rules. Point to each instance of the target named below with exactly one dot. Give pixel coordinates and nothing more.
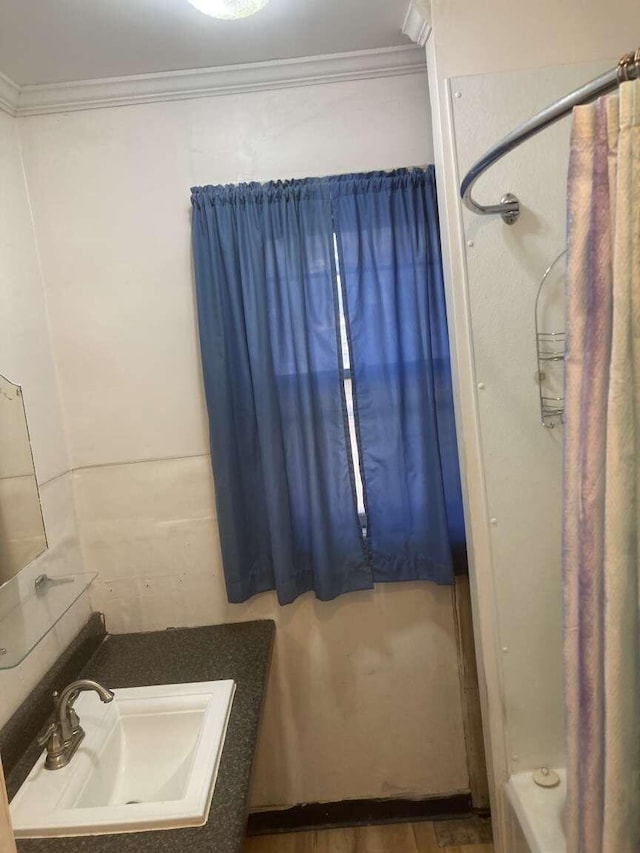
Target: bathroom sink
(149, 761)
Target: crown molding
(9, 95)
(224, 80)
(417, 23)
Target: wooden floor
(394, 838)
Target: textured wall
(26, 358)
(364, 699)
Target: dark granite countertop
(240, 651)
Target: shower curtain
(602, 478)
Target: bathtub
(538, 813)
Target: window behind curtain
(391, 271)
(325, 359)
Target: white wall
(489, 36)
(522, 460)
(512, 466)
(364, 698)
(25, 358)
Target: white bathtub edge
(539, 811)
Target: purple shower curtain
(602, 443)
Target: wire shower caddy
(550, 349)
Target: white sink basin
(149, 761)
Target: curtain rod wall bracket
(628, 68)
(510, 204)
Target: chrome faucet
(64, 734)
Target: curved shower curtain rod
(509, 207)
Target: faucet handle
(74, 720)
(51, 738)
(46, 733)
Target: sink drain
(132, 802)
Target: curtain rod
(628, 68)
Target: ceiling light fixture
(228, 10)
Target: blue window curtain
(265, 273)
(266, 286)
(391, 271)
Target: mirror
(22, 535)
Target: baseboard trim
(358, 813)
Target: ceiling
(55, 41)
